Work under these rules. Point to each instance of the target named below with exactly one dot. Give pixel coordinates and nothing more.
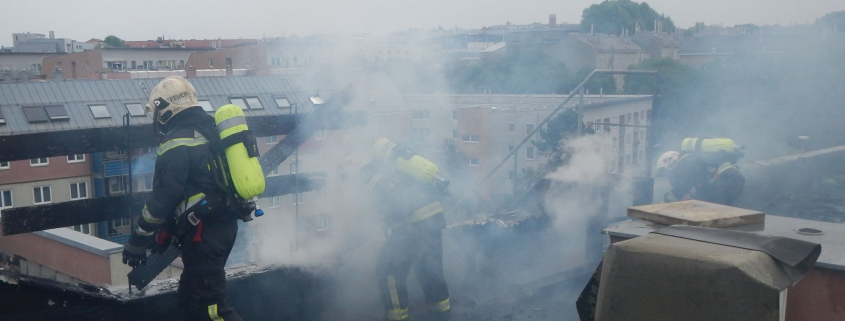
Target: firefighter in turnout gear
(706, 170)
(407, 193)
(187, 205)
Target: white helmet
(666, 162)
(171, 96)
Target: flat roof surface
(81, 241)
(832, 239)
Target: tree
(612, 16)
(832, 21)
(522, 70)
(561, 128)
(114, 42)
(601, 83)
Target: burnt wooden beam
(89, 140)
(325, 116)
(42, 217)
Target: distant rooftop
(608, 43)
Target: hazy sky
(140, 20)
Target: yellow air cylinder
(707, 145)
(417, 168)
(245, 172)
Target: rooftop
(602, 43)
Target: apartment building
(59, 106)
(92, 64)
(486, 127)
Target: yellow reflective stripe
(143, 232)
(231, 122)
(212, 313)
(394, 295)
(424, 213)
(185, 205)
(397, 314)
(441, 306)
(149, 218)
(176, 142)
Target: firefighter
(186, 203)
(705, 170)
(407, 193)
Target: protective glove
(135, 250)
(163, 240)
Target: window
(474, 162)
(454, 134)
(454, 115)
(116, 185)
(300, 198)
(4, 165)
(254, 103)
(78, 191)
(421, 115)
(510, 175)
(627, 160)
(76, 158)
(613, 166)
(43, 161)
(636, 136)
(35, 114)
(637, 117)
(642, 135)
(275, 171)
(239, 102)
(121, 223)
(206, 105)
(469, 138)
(135, 109)
(420, 132)
(84, 228)
(282, 103)
(634, 156)
(42, 195)
(57, 112)
(99, 111)
(210, 63)
(271, 140)
(606, 121)
(274, 202)
(322, 223)
(621, 119)
(276, 61)
(529, 153)
(613, 144)
(641, 157)
(511, 127)
(628, 118)
(529, 128)
(598, 127)
(6, 199)
(320, 134)
(627, 139)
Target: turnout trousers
(422, 248)
(202, 287)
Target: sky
(207, 19)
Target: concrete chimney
(7, 76)
(24, 75)
(192, 72)
(57, 75)
(52, 34)
(552, 21)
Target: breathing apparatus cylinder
(709, 145)
(241, 154)
(414, 166)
